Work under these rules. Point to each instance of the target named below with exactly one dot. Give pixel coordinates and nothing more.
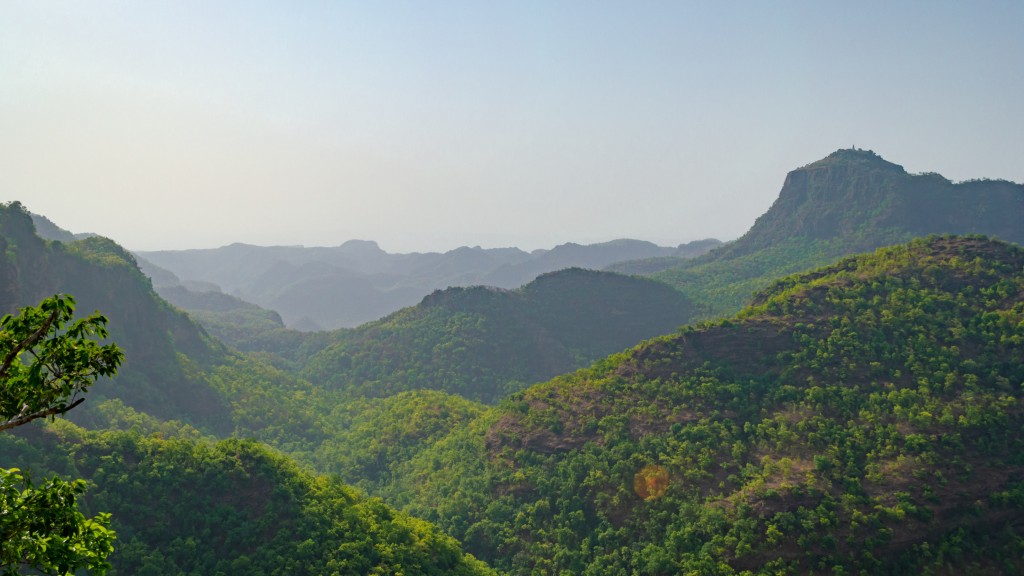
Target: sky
(431, 125)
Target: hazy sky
(429, 125)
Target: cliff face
(857, 196)
(828, 199)
(850, 202)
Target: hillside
(173, 370)
(850, 202)
(191, 507)
(862, 418)
(482, 343)
(180, 502)
(374, 435)
(102, 276)
(357, 282)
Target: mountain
(483, 343)
(861, 418)
(227, 318)
(572, 255)
(180, 502)
(102, 276)
(849, 202)
(47, 230)
(187, 506)
(173, 370)
(858, 196)
(357, 282)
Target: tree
(45, 369)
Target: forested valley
(839, 391)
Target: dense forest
(858, 415)
(185, 506)
(484, 343)
(862, 417)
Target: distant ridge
(46, 229)
(357, 282)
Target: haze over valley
(539, 289)
(426, 128)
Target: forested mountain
(850, 202)
(103, 276)
(856, 195)
(862, 418)
(348, 285)
(173, 370)
(483, 343)
(183, 506)
(229, 319)
(180, 502)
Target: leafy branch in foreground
(62, 365)
(44, 371)
(41, 527)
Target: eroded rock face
(856, 195)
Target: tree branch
(25, 418)
(27, 342)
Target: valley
(838, 391)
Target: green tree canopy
(46, 367)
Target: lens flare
(651, 482)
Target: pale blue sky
(429, 125)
